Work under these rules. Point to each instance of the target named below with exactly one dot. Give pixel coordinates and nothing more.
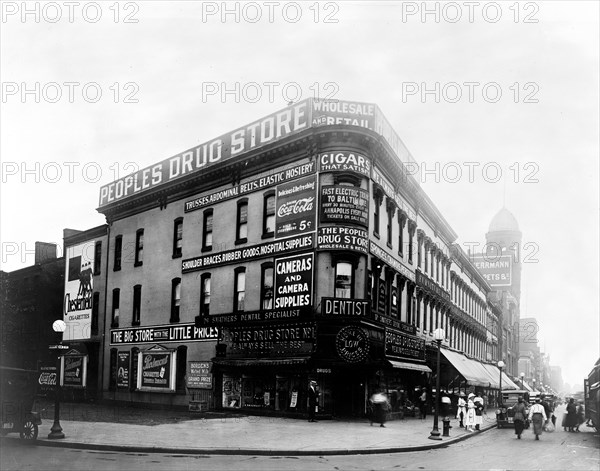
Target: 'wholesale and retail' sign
(343, 238)
(292, 120)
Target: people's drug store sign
(156, 369)
(293, 281)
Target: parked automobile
(17, 393)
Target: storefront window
(258, 392)
(232, 388)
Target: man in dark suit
(313, 400)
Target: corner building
(294, 248)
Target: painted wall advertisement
(199, 374)
(157, 371)
(123, 361)
(296, 207)
(344, 204)
(74, 368)
(46, 377)
(495, 269)
(79, 267)
(293, 281)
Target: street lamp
(438, 335)
(533, 380)
(522, 376)
(56, 432)
(501, 365)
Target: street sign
(58, 347)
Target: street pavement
(254, 435)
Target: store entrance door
(348, 395)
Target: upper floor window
(376, 215)
(207, 230)
(390, 217)
(205, 294)
(344, 279)
(118, 252)
(95, 312)
(139, 247)
(411, 234)
(401, 223)
(266, 293)
(239, 289)
(137, 305)
(269, 214)
(241, 233)
(175, 299)
(116, 300)
(177, 237)
(97, 257)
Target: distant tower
(504, 238)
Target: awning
(260, 361)
(469, 369)
(409, 366)
(508, 383)
(494, 377)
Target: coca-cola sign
(296, 212)
(47, 379)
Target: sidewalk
(256, 435)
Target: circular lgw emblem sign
(352, 344)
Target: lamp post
(533, 380)
(522, 377)
(56, 432)
(500, 366)
(438, 335)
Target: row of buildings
(295, 248)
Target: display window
(232, 389)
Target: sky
(497, 102)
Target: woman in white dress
(470, 418)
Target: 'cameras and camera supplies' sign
(293, 281)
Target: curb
(245, 451)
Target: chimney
(44, 251)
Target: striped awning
(409, 366)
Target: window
(344, 280)
(411, 233)
(95, 309)
(401, 223)
(118, 253)
(239, 294)
(137, 304)
(205, 294)
(269, 215)
(266, 293)
(97, 257)
(175, 299)
(241, 234)
(112, 381)
(376, 214)
(207, 230)
(116, 300)
(177, 237)
(390, 214)
(139, 247)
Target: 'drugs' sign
(293, 281)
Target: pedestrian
(470, 417)
(478, 401)
(461, 412)
(381, 406)
(571, 417)
(313, 400)
(519, 418)
(537, 415)
(446, 404)
(580, 415)
(423, 404)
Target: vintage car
(17, 394)
(505, 413)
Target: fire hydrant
(446, 422)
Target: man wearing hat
(313, 400)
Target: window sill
(177, 255)
(390, 245)
(206, 249)
(117, 268)
(241, 241)
(135, 323)
(138, 264)
(268, 235)
(114, 325)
